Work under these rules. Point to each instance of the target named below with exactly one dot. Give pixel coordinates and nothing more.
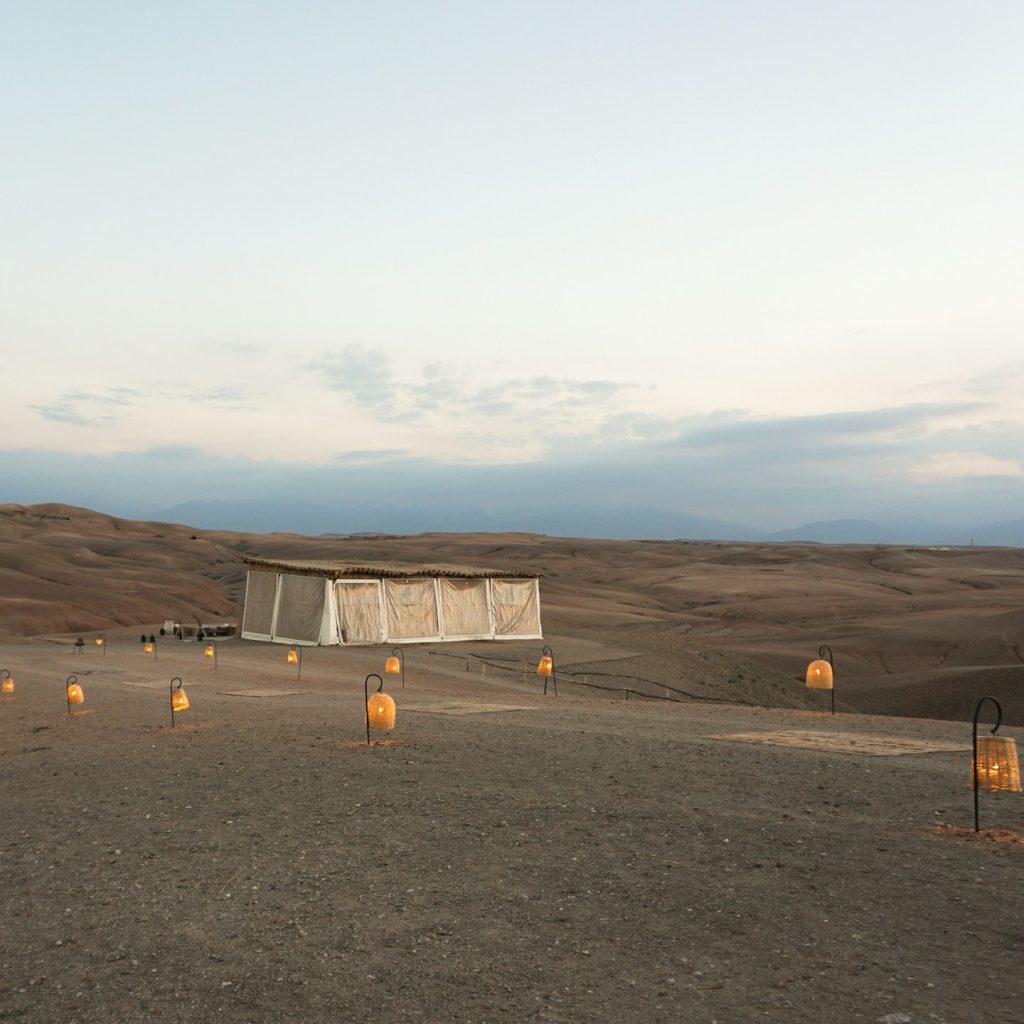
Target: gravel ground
(581, 860)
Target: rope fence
(517, 666)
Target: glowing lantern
(293, 656)
(75, 694)
(395, 665)
(382, 712)
(819, 673)
(546, 668)
(994, 764)
(179, 699)
(101, 641)
(380, 708)
(150, 648)
(210, 651)
(7, 683)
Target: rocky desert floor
(683, 833)
(501, 856)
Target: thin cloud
(371, 456)
(362, 373)
(63, 414)
(960, 465)
(826, 429)
(105, 396)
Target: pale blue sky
(541, 233)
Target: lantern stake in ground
(380, 708)
(101, 642)
(819, 673)
(74, 693)
(295, 658)
(994, 764)
(211, 652)
(395, 664)
(6, 682)
(546, 668)
(179, 699)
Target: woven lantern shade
(819, 675)
(293, 656)
(76, 695)
(179, 700)
(148, 648)
(392, 666)
(545, 666)
(380, 712)
(99, 641)
(208, 652)
(7, 686)
(996, 765)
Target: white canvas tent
(335, 603)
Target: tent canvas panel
(411, 610)
(260, 598)
(465, 613)
(300, 609)
(357, 607)
(516, 608)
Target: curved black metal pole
(824, 651)
(176, 679)
(366, 699)
(974, 750)
(67, 690)
(397, 653)
(547, 652)
(4, 675)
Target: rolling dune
(920, 632)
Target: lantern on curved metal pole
(994, 764)
(380, 708)
(74, 693)
(179, 699)
(546, 668)
(210, 651)
(149, 647)
(6, 682)
(395, 664)
(819, 673)
(295, 658)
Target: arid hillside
(915, 631)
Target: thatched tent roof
(384, 570)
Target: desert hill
(915, 631)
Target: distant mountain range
(904, 531)
(315, 518)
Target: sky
(756, 262)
